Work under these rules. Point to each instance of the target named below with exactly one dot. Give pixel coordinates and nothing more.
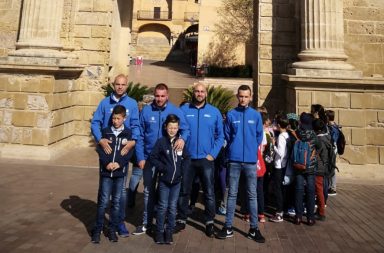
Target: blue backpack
(301, 155)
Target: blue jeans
(134, 181)
(150, 178)
(310, 195)
(204, 169)
(123, 200)
(249, 171)
(109, 188)
(168, 195)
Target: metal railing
(154, 15)
(191, 16)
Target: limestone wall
(364, 35)
(9, 24)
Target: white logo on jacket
(207, 115)
(251, 121)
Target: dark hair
(119, 109)
(262, 109)
(293, 123)
(283, 122)
(330, 115)
(161, 86)
(319, 109)
(318, 125)
(244, 87)
(171, 118)
(264, 117)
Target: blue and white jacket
(118, 142)
(151, 127)
(102, 116)
(168, 162)
(243, 130)
(206, 130)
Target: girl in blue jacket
(170, 164)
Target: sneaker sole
(276, 221)
(123, 235)
(228, 236)
(141, 233)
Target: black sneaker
(225, 233)
(180, 226)
(95, 238)
(140, 230)
(332, 192)
(254, 233)
(159, 238)
(112, 236)
(210, 230)
(168, 237)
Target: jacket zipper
(174, 156)
(158, 130)
(243, 134)
(197, 135)
(114, 153)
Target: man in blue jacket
(152, 118)
(243, 132)
(102, 119)
(204, 144)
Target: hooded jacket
(169, 163)
(151, 127)
(117, 145)
(206, 130)
(102, 116)
(243, 130)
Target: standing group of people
(173, 146)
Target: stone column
(40, 29)
(322, 38)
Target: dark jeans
(168, 196)
(260, 195)
(204, 169)
(277, 176)
(109, 188)
(310, 195)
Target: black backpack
(340, 143)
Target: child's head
(118, 116)
(306, 120)
(293, 120)
(282, 122)
(330, 115)
(265, 119)
(318, 125)
(171, 125)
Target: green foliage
(217, 96)
(244, 71)
(135, 91)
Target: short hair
(330, 115)
(283, 121)
(244, 87)
(262, 109)
(171, 118)
(161, 86)
(119, 109)
(318, 125)
(264, 117)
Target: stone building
(55, 56)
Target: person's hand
(127, 147)
(141, 164)
(110, 166)
(104, 143)
(209, 158)
(116, 166)
(179, 144)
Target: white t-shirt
(281, 156)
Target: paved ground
(50, 207)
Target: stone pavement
(50, 207)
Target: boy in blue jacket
(113, 169)
(170, 163)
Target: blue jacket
(102, 116)
(206, 130)
(151, 127)
(169, 163)
(243, 130)
(116, 145)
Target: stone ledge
(367, 172)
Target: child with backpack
(305, 165)
(338, 142)
(323, 164)
(280, 162)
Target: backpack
(332, 161)
(340, 143)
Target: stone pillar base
(325, 72)
(30, 152)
